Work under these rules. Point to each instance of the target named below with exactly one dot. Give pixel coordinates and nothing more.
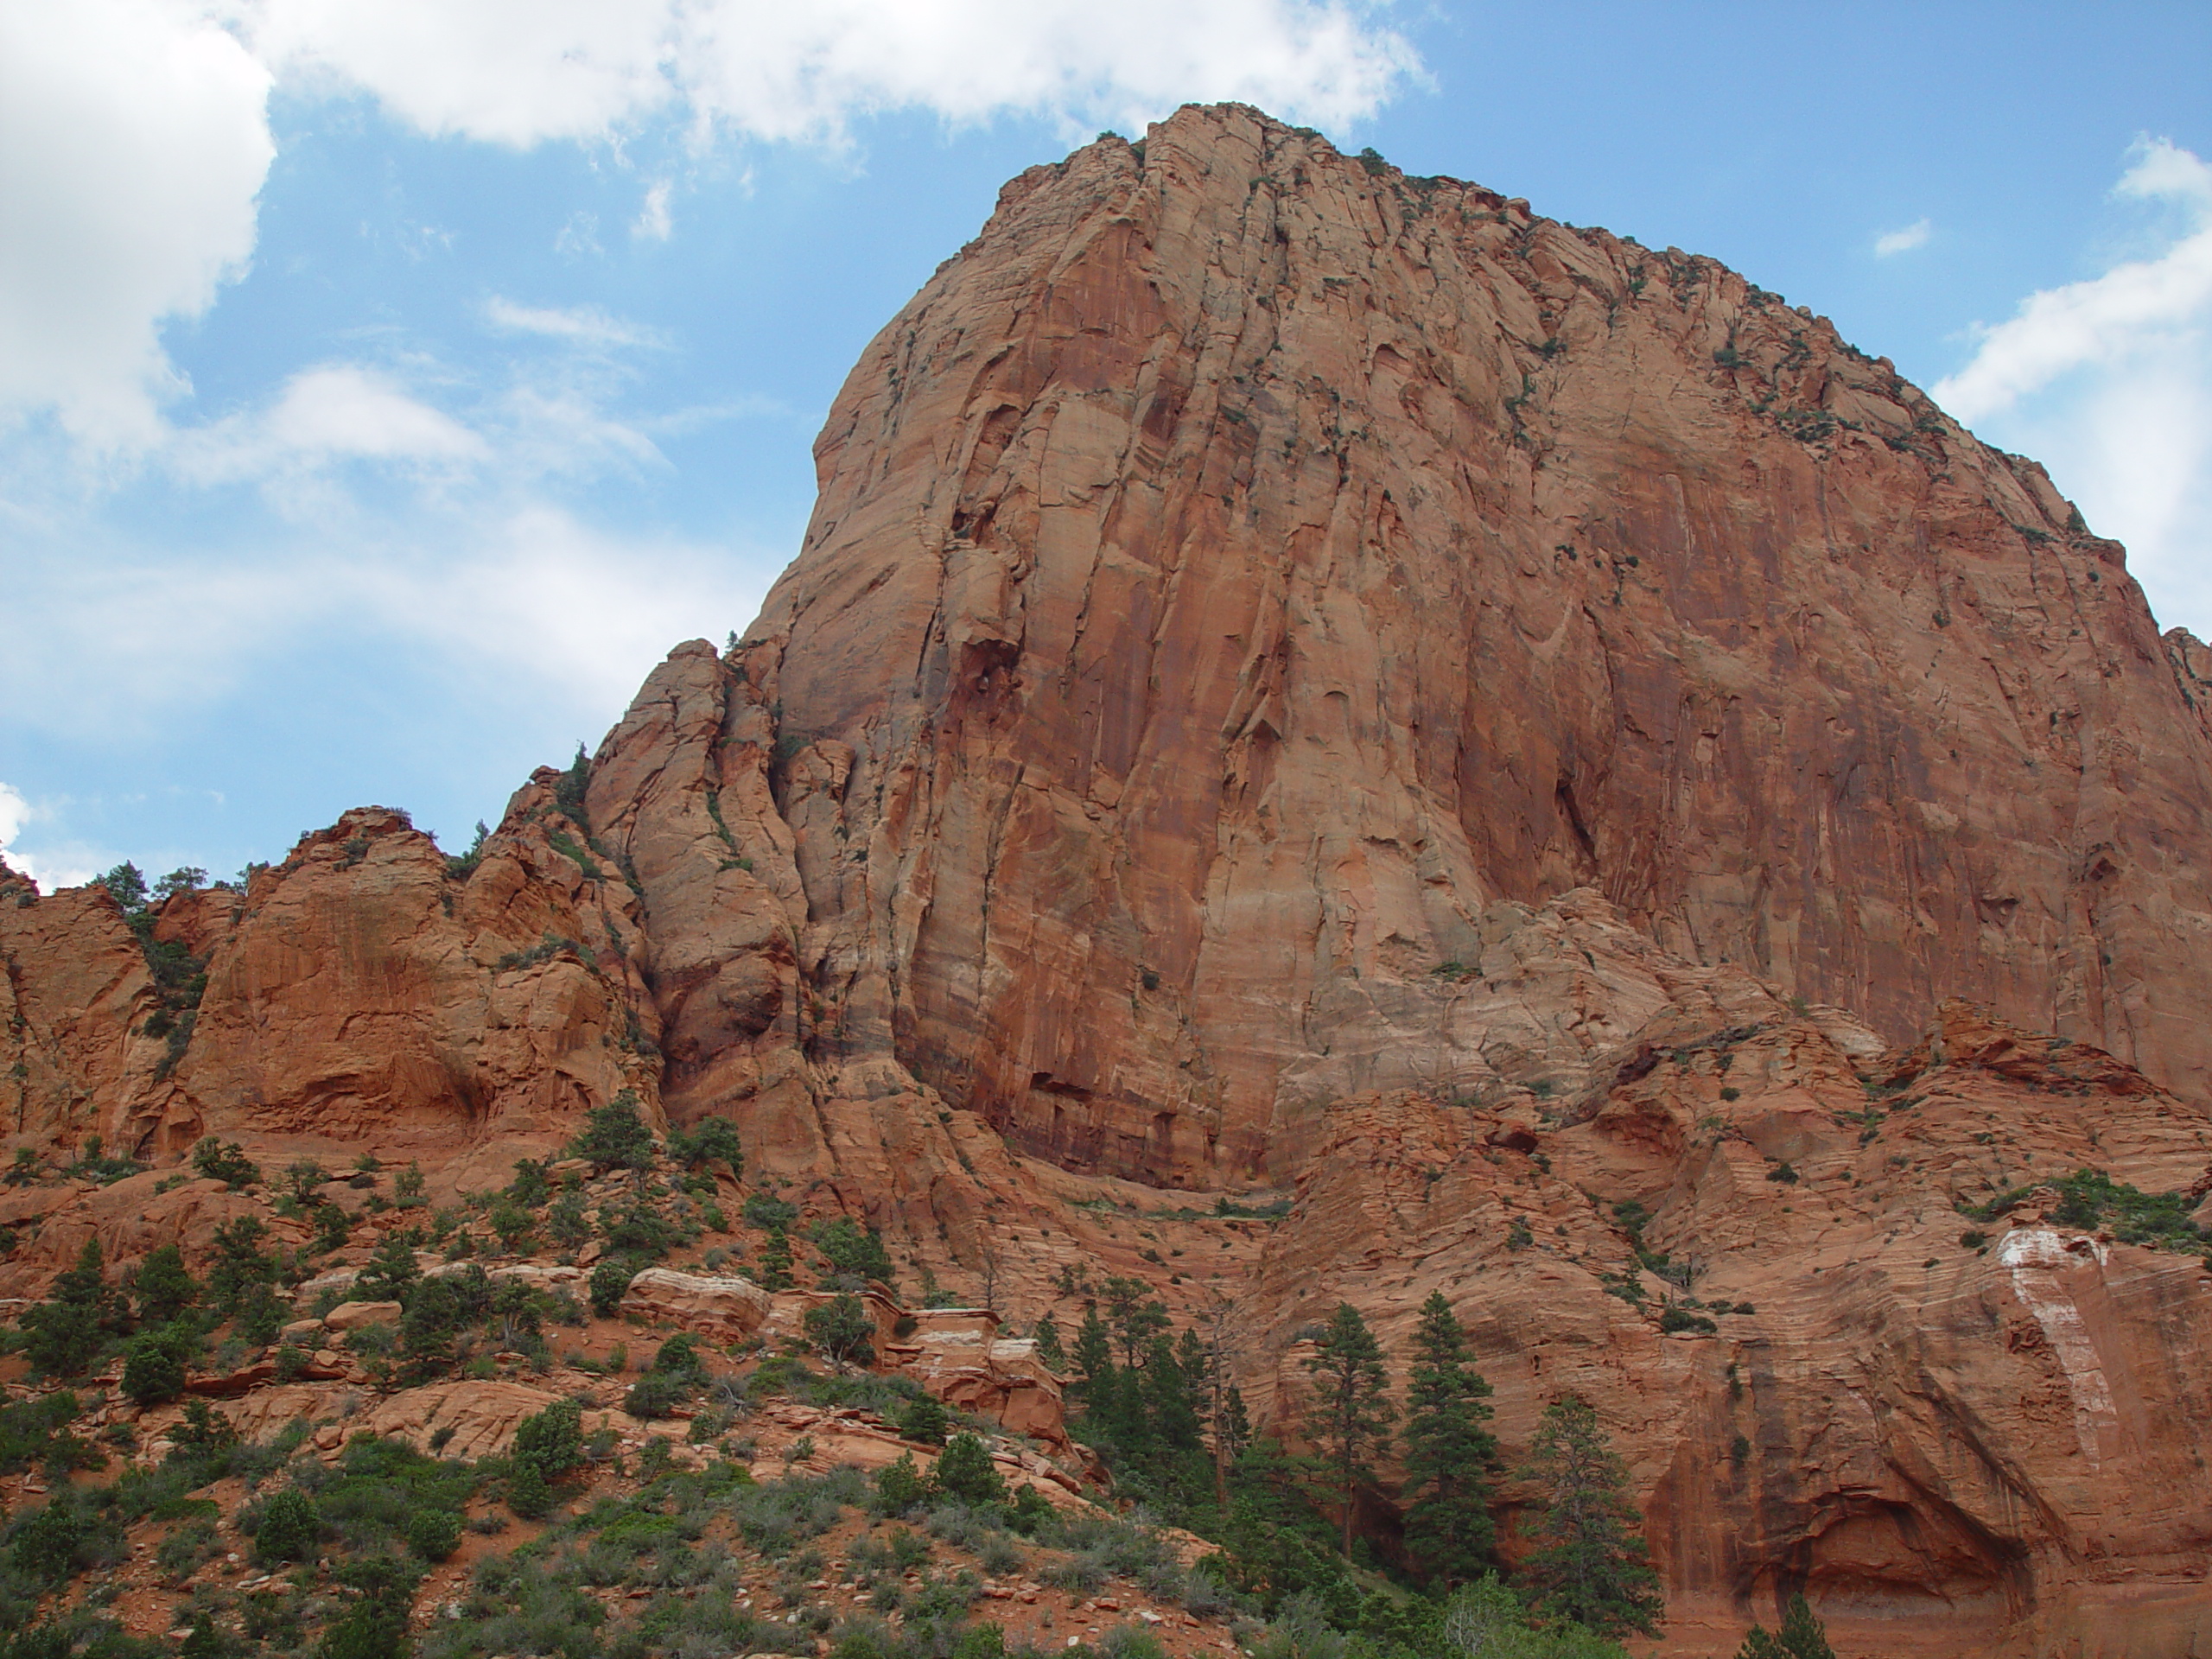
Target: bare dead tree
(990, 1265)
(1220, 1329)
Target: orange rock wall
(1238, 567)
(1300, 674)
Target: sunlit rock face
(1309, 679)
(1242, 565)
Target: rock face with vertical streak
(1303, 677)
(1958, 1436)
(1242, 564)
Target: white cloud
(578, 615)
(652, 221)
(525, 605)
(2104, 319)
(580, 235)
(556, 428)
(65, 866)
(522, 72)
(582, 325)
(133, 142)
(15, 813)
(509, 71)
(134, 137)
(2108, 382)
(79, 645)
(1914, 235)
(332, 413)
(554, 421)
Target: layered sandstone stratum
(1305, 677)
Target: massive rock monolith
(1305, 677)
(1243, 563)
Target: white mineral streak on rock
(2040, 1258)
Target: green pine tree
(1448, 1451)
(1172, 1443)
(1112, 1416)
(1232, 1427)
(161, 1287)
(1801, 1636)
(1093, 1354)
(855, 1255)
(1229, 1431)
(1190, 1357)
(1591, 1564)
(69, 1329)
(1352, 1411)
(841, 1330)
(964, 1471)
(1047, 1336)
(391, 1274)
(776, 1260)
(1275, 1545)
(1135, 1315)
(240, 1264)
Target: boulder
(351, 1316)
(723, 1308)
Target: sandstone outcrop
(1244, 565)
(722, 1307)
(1956, 1436)
(1303, 678)
(958, 1355)
(363, 987)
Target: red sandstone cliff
(1241, 565)
(1302, 673)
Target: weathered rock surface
(1240, 568)
(359, 989)
(1953, 1443)
(1300, 674)
(74, 989)
(723, 1308)
(958, 1355)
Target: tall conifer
(1093, 1356)
(1591, 1564)
(1801, 1636)
(1047, 1336)
(1449, 1453)
(1136, 1315)
(1352, 1413)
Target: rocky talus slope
(1306, 680)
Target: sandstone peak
(1247, 568)
(1331, 738)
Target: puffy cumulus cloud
(2101, 320)
(133, 142)
(15, 813)
(68, 865)
(552, 420)
(134, 136)
(521, 72)
(2108, 381)
(509, 71)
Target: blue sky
(384, 388)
